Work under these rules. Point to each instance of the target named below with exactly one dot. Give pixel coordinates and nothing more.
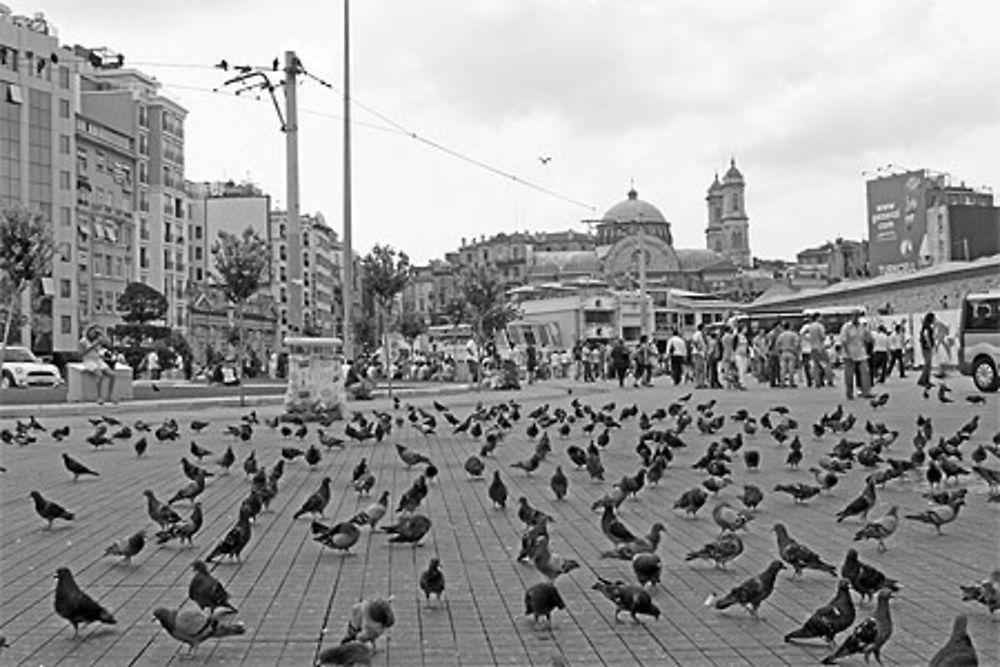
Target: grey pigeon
(76, 606)
(206, 591)
(958, 651)
(194, 627)
(48, 510)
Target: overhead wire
(395, 126)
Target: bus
(979, 339)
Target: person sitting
(96, 356)
(358, 385)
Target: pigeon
(529, 515)
(475, 467)
(559, 483)
(614, 529)
(691, 501)
(939, 515)
(76, 606)
(291, 453)
(374, 513)
(751, 458)
(350, 653)
(958, 651)
(880, 529)
(830, 619)
(235, 540)
(183, 531)
(729, 519)
(206, 591)
(411, 458)
(799, 491)
(340, 536)
(549, 563)
(369, 620)
(49, 510)
(752, 592)
(409, 530)
(193, 471)
(725, 548)
(128, 547)
(498, 491)
(140, 447)
(317, 502)
(860, 505)
(627, 597)
(194, 627)
(646, 544)
(752, 496)
(364, 484)
(987, 592)
(541, 600)
(227, 459)
(647, 568)
(189, 491)
(432, 580)
(530, 465)
(199, 452)
(865, 579)
(76, 468)
(869, 636)
(313, 456)
(578, 455)
(250, 466)
(413, 496)
(989, 475)
(826, 479)
(798, 556)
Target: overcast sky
(806, 95)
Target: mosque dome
(633, 210)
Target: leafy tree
(386, 273)
(411, 325)
(364, 332)
(243, 264)
(26, 249)
(141, 303)
(482, 302)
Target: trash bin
(315, 379)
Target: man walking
(788, 353)
(853, 336)
(677, 353)
(698, 349)
(815, 333)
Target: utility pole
(295, 282)
(348, 253)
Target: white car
(21, 368)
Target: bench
(82, 386)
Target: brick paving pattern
(295, 597)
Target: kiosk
(315, 379)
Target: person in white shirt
(677, 353)
(805, 351)
(698, 350)
(880, 353)
(896, 351)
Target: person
(787, 344)
(95, 356)
(805, 355)
(926, 349)
(853, 336)
(357, 383)
(741, 354)
(677, 353)
(531, 362)
(153, 364)
(819, 359)
(643, 363)
(619, 358)
(727, 361)
(880, 353)
(698, 349)
(896, 351)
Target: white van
(979, 339)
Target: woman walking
(93, 349)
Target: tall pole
(295, 283)
(643, 307)
(348, 256)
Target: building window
(63, 77)
(64, 144)
(143, 259)
(64, 180)
(199, 275)
(66, 324)
(63, 108)
(65, 288)
(197, 253)
(197, 232)
(167, 236)
(65, 216)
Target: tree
(386, 272)
(26, 249)
(482, 302)
(411, 325)
(242, 263)
(140, 303)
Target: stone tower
(728, 229)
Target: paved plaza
(294, 596)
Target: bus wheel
(984, 374)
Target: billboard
(897, 222)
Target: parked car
(979, 339)
(21, 368)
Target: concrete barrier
(82, 386)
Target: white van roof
(981, 296)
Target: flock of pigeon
(837, 447)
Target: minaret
(713, 233)
(735, 225)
